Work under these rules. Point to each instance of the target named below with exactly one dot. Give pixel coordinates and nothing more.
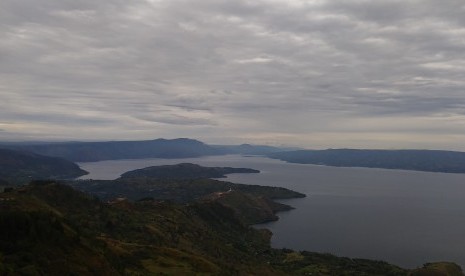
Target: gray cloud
(308, 73)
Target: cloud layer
(367, 74)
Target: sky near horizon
(314, 74)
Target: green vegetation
(438, 269)
(50, 229)
(160, 227)
(47, 228)
(17, 167)
(181, 191)
(249, 208)
(184, 171)
(187, 183)
(251, 201)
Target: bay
(403, 217)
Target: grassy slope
(52, 229)
(121, 238)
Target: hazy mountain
(421, 160)
(18, 167)
(418, 160)
(249, 149)
(96, 151)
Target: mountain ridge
(19, 167)
(414, 160)
(407, 159)
(112, 150)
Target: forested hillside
(50, 229)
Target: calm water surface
(404, 217)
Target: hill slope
(17, 167)
(250, 209)
(146, 238)
(190, 190)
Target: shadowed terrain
(49, 228)
(19, 167)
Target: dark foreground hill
(417, 160)
(187, 183)
(258, 198)
(50, 229)
(17, 167)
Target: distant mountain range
(158, 148)
(419, 160)
(169, 225)
(416, 160)
(250, 149)
(96, 151)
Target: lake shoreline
(361, 212)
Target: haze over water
(404, 217)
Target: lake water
(403, 217)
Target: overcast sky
(315, 73)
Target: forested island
(184, 171)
